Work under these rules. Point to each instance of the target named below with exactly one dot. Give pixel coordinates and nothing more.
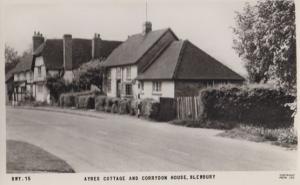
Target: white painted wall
(39, 62)
(43, 94)
(133, 71)
(167, 90)
(68, 76)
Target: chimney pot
(147, 27)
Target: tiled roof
(130, 51)
(184, 61)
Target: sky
(205, 23)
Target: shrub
(108, 104)
(254, 106)
(124, 106)
(133, 107)
(67, 100)
(150, 109)
(115, 105)
(100, 103)
(86, 102)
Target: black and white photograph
(167, 91)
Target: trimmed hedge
(86, 102)
(150, 109)
(100, 103)
(264, 107)
(124, 106)
(67, 100)
(108, 104)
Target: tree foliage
(90, 73)
(265, 39)
(11, 58)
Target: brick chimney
(67, 51)
(37, 39)
(96, 41)
(147, 27)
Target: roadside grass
(285, 137)
(22, 157)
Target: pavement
(101, 142)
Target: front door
(119, 88)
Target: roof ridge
(164, 33)
(179, 58)
(158, 54)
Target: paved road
(122, 143)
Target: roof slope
(105, 47)
(184, 61)
(25, 64)
(52, 52)
(130, 51)
(165, 64)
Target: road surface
(119, 143)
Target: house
(23, 79)
(9, 86)
(155, 64)
(62, 56)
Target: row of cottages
(56, 57)
(155, 64)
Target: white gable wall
(167, 90)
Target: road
(120, 143)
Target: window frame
(156, 87)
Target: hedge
(100, 103)
(150, 109)
(86, 102)
(257, 106)
(67, 100)
(108, 104)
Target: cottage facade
(60, 57)
(156, 64)
(23, 79)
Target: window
(156, 86)
(128, 73)
(109, 80)
(39, 71)
(128, 89)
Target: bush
(133, 107)
(115, 105)
(67, 100)
(86, 102)
(150, 109)
(254, 106)
(108, 104)
(124, 106)
(100, 103)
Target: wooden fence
(189, 108)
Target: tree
(264, 37)
(88, 74)
(11, 58)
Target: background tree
(90, 73)
(11, 58)
(264, 37)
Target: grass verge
(286, 137)
(22, 157)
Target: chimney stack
(37, 39)
(67, 51)
(96, 42)
(147, 27)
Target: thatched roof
(184, 61)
